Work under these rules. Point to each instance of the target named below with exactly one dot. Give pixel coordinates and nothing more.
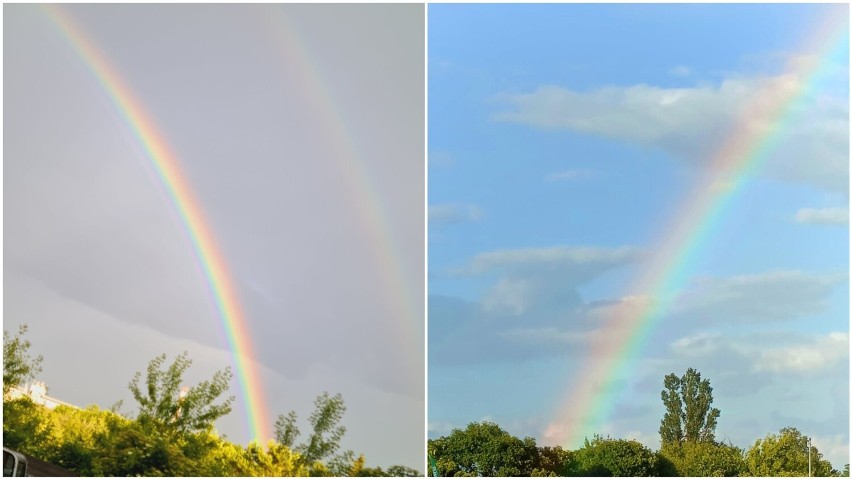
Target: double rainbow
(168, 168)
(406, 312)
(760, 126)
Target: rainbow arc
(367, 203)
(753, 138)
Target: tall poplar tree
(688, 417)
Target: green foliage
(26, 427)
(370, 472)
(80, 433)
(552, 461)
(704, 459)
(18, 365)
(614, 457)
(324, 440)
(343, 464)
(484, 449)
(277, 460)
(172, 435)
(688, 414)
(359, 470)
(137, 450)
(225, 459)
(191, 409)
(286, 430)
(134, 448)
(403, 471)
(94, 442)
(230, 460)
(785, 454)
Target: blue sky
(562, 139)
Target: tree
(359, 470)
(324, 440)
(18, 366)
(286, 430)
(27, 427)
(614, 457)
(483, 449)
(688, 414)
(225, 459)
(404, 471)
(80, 434)
(552, 461)
(166, 403)
(137, 448)
(704, 459)
(785, 454)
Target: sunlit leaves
(168, 402)
(785, 454)
(18, 365)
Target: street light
(809, 457)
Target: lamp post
(809, 457)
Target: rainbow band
(753, 138)
(165, 162)
(406, 313)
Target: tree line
(688, 447)
(171, 433)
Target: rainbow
(406, 311)
(168, 168)
(754, 136)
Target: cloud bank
(692, 123)
(824, 216)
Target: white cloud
(698, 345)
(554, 434)
(508, 296)
(534, 308)
(811, 355)
(694, 123)
(454, 213)
(651, 440)
(628, 305)
(543, 280)
(838, 216)
(771, 352)
(835, 448)
(769, 296)
(549, 259)
(667, 117)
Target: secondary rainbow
(753, 137)
(406, 319)
(168, 168)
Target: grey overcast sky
(264, 106)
